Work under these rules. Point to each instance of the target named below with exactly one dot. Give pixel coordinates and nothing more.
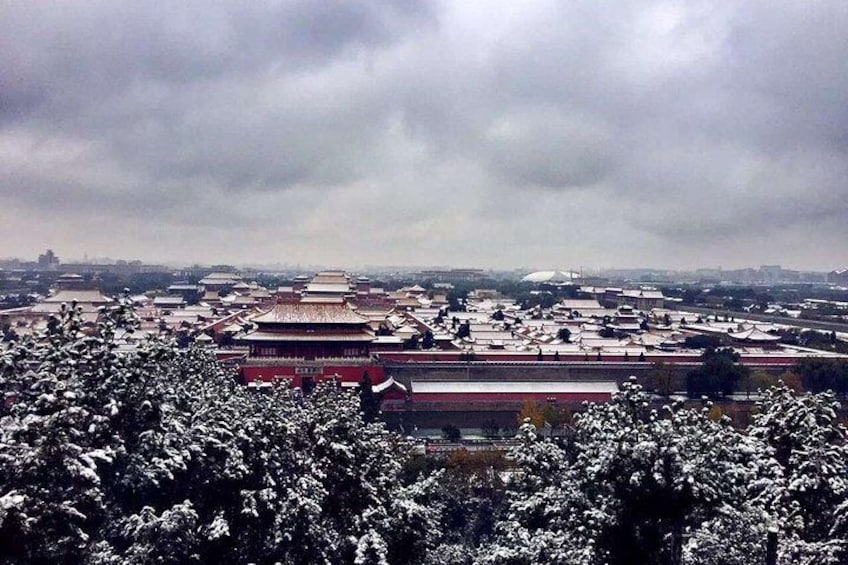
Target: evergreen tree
(718, 374)
(368, 399)
(157, 456)
(627, 488)
(428, 341)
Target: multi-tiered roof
(328, 329)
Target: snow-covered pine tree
(157, 456)
(628, 488)
(810, 446)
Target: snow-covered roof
(387, 384)
(322, 299)
(341, 288)
(183, 287)
(220, 278)
(580, 304)
(415, 288)
(89, 296)
(754, 334)
(642, 293)
(331, 277)
(311, 313)
(168, 301)
(309, 336)
(513, 387)
(388, 340)
(551, 276)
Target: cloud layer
(553, 134)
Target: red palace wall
(346, 374)
(509, 397)
(354, 373)
(456, 356)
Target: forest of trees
(157, 456)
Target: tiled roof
(387, 384)
(323, 299)
(638, 293)
(754, 334)
(184, 286)
(512, 387)
(223, 276)
(580, 304)
(90, 296)
(168, 300)
(220, 279)
(310, 313)
(328, 287)
(259, 335)
(331, 277)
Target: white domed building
(553, 277)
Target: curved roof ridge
(311, 313)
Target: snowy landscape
(157, 456)
(423, 282)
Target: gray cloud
(551, 134)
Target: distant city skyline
(586, 269)
(484, 134)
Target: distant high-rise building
(48, 260)
(838, 276)
(771, 273)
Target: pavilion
(309, 331)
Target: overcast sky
(546, 134)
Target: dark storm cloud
(198, 93)
(558, 133)
(66, 54)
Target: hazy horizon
(491, 135)
(588, 270)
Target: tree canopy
(640, 485)
(156, 455)
(717, 376)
